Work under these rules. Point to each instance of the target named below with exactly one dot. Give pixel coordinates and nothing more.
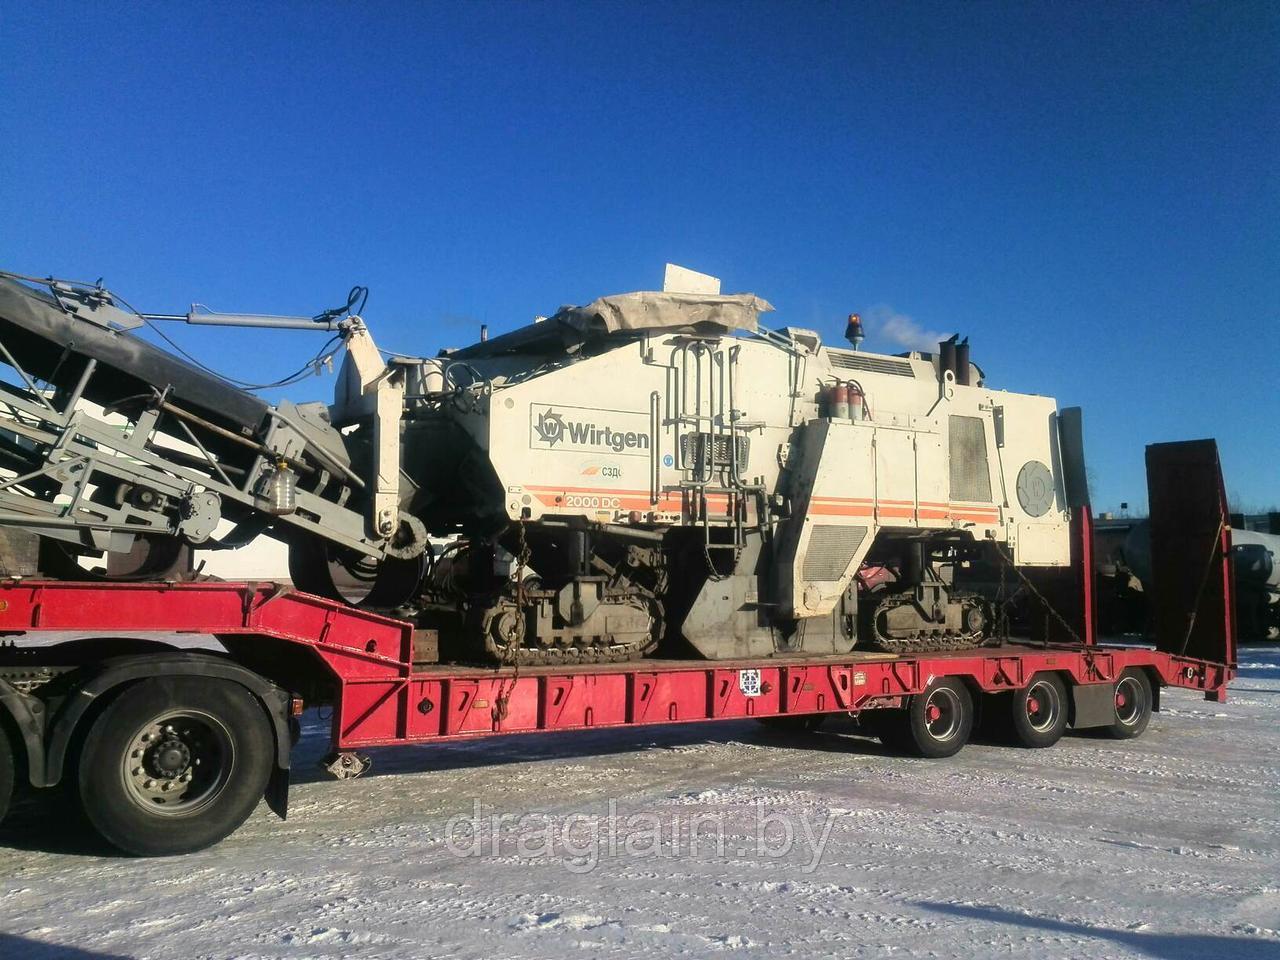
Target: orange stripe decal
(677, 501)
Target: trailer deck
(384, 697)
(172, 748)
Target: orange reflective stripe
(677, 501)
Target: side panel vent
(970, 474)
(694, 448)
(831, 549)
(861, 361)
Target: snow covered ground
(715, 840)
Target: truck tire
(8, 773)
(935, 724)
(1039, 712)
(175, 764)
(1133, 705)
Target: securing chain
(511, 649)
(1006, 559)
(1000, 628)
(1204, 581)
(1003, 604)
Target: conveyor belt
(52, 345)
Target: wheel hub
(506, 626)
(177, 763)
(942, 714)
(1130, 701)
(170, 758)
(975, 620)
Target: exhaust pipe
(946, 358)
(962, 362)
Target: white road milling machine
(654, 472)
(668, 473)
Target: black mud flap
(277, 795)
(1191, 583)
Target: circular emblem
(1035, 488)
(668, 460)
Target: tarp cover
(651, 310)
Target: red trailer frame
(381, 698)
(383, 695)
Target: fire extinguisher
(838, 400)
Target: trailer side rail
(381, 699)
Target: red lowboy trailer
(171, 748)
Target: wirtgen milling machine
(653, 471)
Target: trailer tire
(936, 723)
(8, 772)
(175, 764)
(1039, 712)
(1134, 701)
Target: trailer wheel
(174, 764)
(7, 773)
(1040, 711)
(935, 724)
(1133, 705)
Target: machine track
(573, 656)
(929, 641)
(503, 629)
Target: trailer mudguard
(28, 717)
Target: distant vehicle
(1123, 564)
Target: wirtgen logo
(575, 428)
(550, 427)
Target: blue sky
(1089, 191)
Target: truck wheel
(1040, 711)
(804, 723)
(936, 723)
(1133, 705)
(7, 773)
(174, 764)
